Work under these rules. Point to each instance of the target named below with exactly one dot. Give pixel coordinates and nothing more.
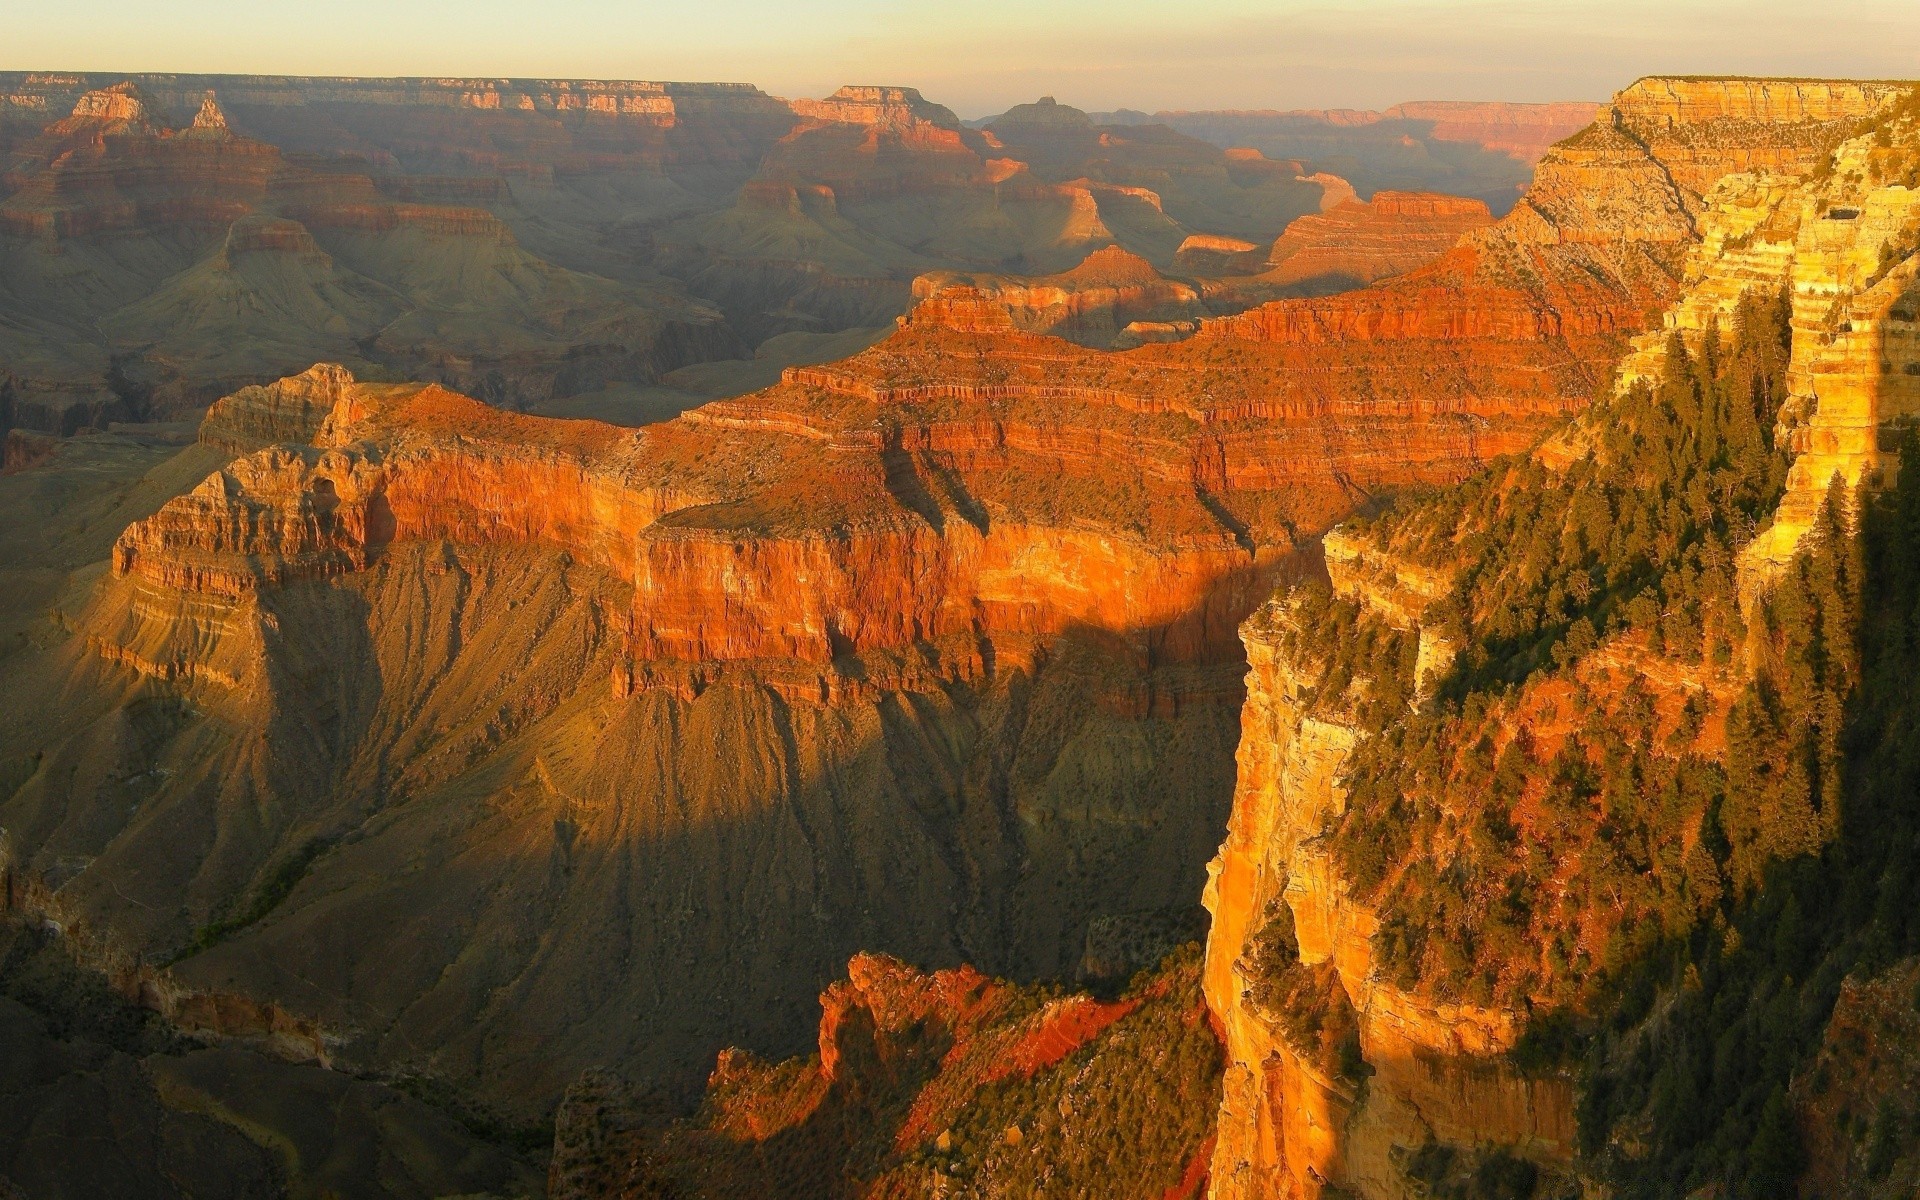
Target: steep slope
(1546, 734)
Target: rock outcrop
(1291, 1123)
(1853, 1098)
(921, 1081)
(1091, 304)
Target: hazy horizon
(983, 57)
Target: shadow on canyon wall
(430, 827)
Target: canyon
(955, 616)
(373, 721)
(1464, 148)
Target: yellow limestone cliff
(1289, 1127)
(1841, 240)
(1783, 191)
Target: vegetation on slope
(1568, 839)
(1677, 835)
(1689, 1080)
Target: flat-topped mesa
(636, 100)
(1357, 242)
(868, 104)
(1524, 131)
(1091, 303)
(1674, 101)
(532, 128)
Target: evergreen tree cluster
(1621, 842)
(1686, 1083)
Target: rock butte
(1360, 243)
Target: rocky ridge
(1429, 1069)
(943, 1083)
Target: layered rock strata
(1290, 1125)
(1357, 243)
(461, 732)
(1091, 304)
(237, 245)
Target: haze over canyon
(596, 638)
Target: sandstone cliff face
(289, 410)
(1289, 1124)
(1840, 241)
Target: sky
(981, 56)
